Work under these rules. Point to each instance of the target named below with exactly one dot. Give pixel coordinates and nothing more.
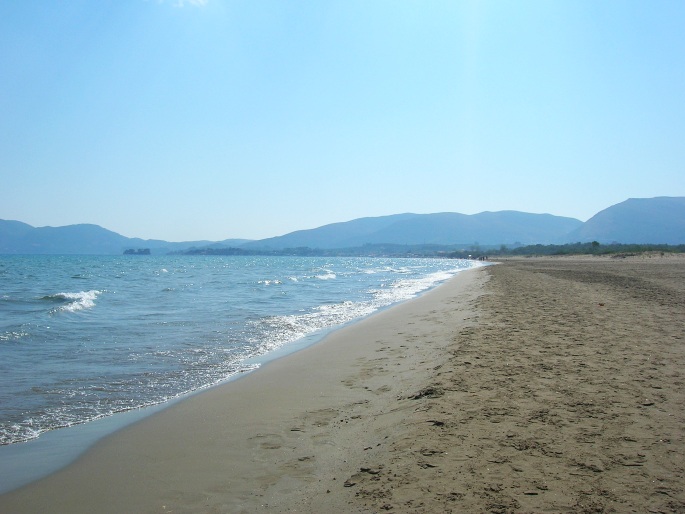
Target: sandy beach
(540, 384)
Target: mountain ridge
(659, 220)
(446, 228)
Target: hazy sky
(214, 119)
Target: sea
(84, 338)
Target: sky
(195, 120)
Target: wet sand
(533, 385)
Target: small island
(138, 251)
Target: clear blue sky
(214, 119)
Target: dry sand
(534, 385)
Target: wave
(13, 335)
(269, 282)
(404, 289)
(102, 406)
(272, 332)
(197, 330)
(73, 302)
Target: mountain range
(658, 220)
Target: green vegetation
(593, 248)
(138, 251)
(368, 250)
(474, 251)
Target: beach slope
(533, 385)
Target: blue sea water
(86, 337)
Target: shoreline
(24, 463)
(545, 384)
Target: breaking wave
(72, 302)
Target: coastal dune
(533, 385)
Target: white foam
(77, 301)
(275, 331)
(13, 336)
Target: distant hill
(637, 220)
(448, 228)
(20, 238)
(658, 220)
